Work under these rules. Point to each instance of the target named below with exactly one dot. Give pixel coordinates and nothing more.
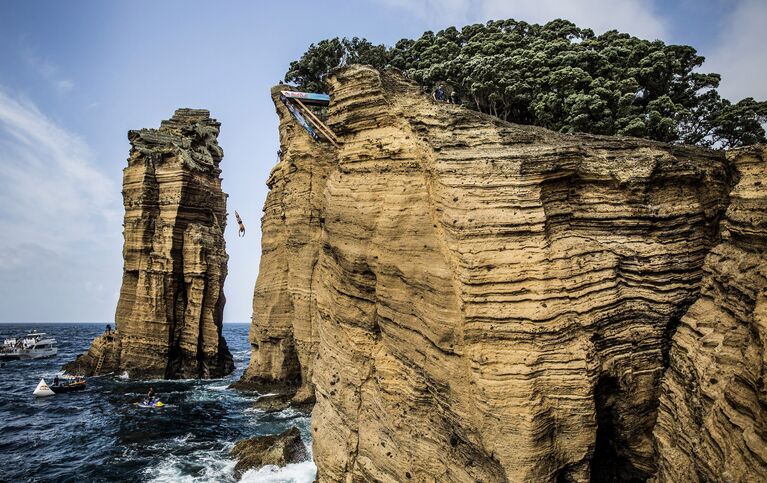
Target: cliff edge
(469, 299)
(170, 312)
(283, 332)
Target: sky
(76, 76)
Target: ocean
(100, 435)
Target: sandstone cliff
(712, 422)
(472, 300)
(284, 330)
(169, 316)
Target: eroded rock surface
(169, 315)
(284, 330)
(278, 450)
(472, 300)
(712, 423)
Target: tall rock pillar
(170, 313)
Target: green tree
(740, 124)
(561, 77)
(310, 71)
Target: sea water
(99, 434)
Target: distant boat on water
(34, 345)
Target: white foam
(215, 469)
(225, 387)
(292, 413)
(183, 439)
(294, 473)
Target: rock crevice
(712, 423)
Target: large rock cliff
(169, 316)
(284, 329)
(712, 422)
(471, 300)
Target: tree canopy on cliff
(561, 77)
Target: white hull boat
(36, 345)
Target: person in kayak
(150, 395)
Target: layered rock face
(712, 422)
(473, 300)
(170, 313)
(284, 330)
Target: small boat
(154, 403)
(43, 389)
(35, 345)
(68, 384)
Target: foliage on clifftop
(561, 77)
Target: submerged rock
(279, 450)
(279, 402)
(170, 311)
(273, 402)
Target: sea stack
(170, 312)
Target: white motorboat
(34, 345)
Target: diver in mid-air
(241, 233)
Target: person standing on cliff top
(439, 94)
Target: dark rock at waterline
(280, 450)
(273, 402)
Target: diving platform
(299, 104)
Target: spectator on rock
(439, 94)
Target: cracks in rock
(610, 462)
(202, 367)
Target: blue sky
(76, 76)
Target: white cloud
(64, 84)
(51, 195)
(47, 70)
(739, 53)
(633, 16)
